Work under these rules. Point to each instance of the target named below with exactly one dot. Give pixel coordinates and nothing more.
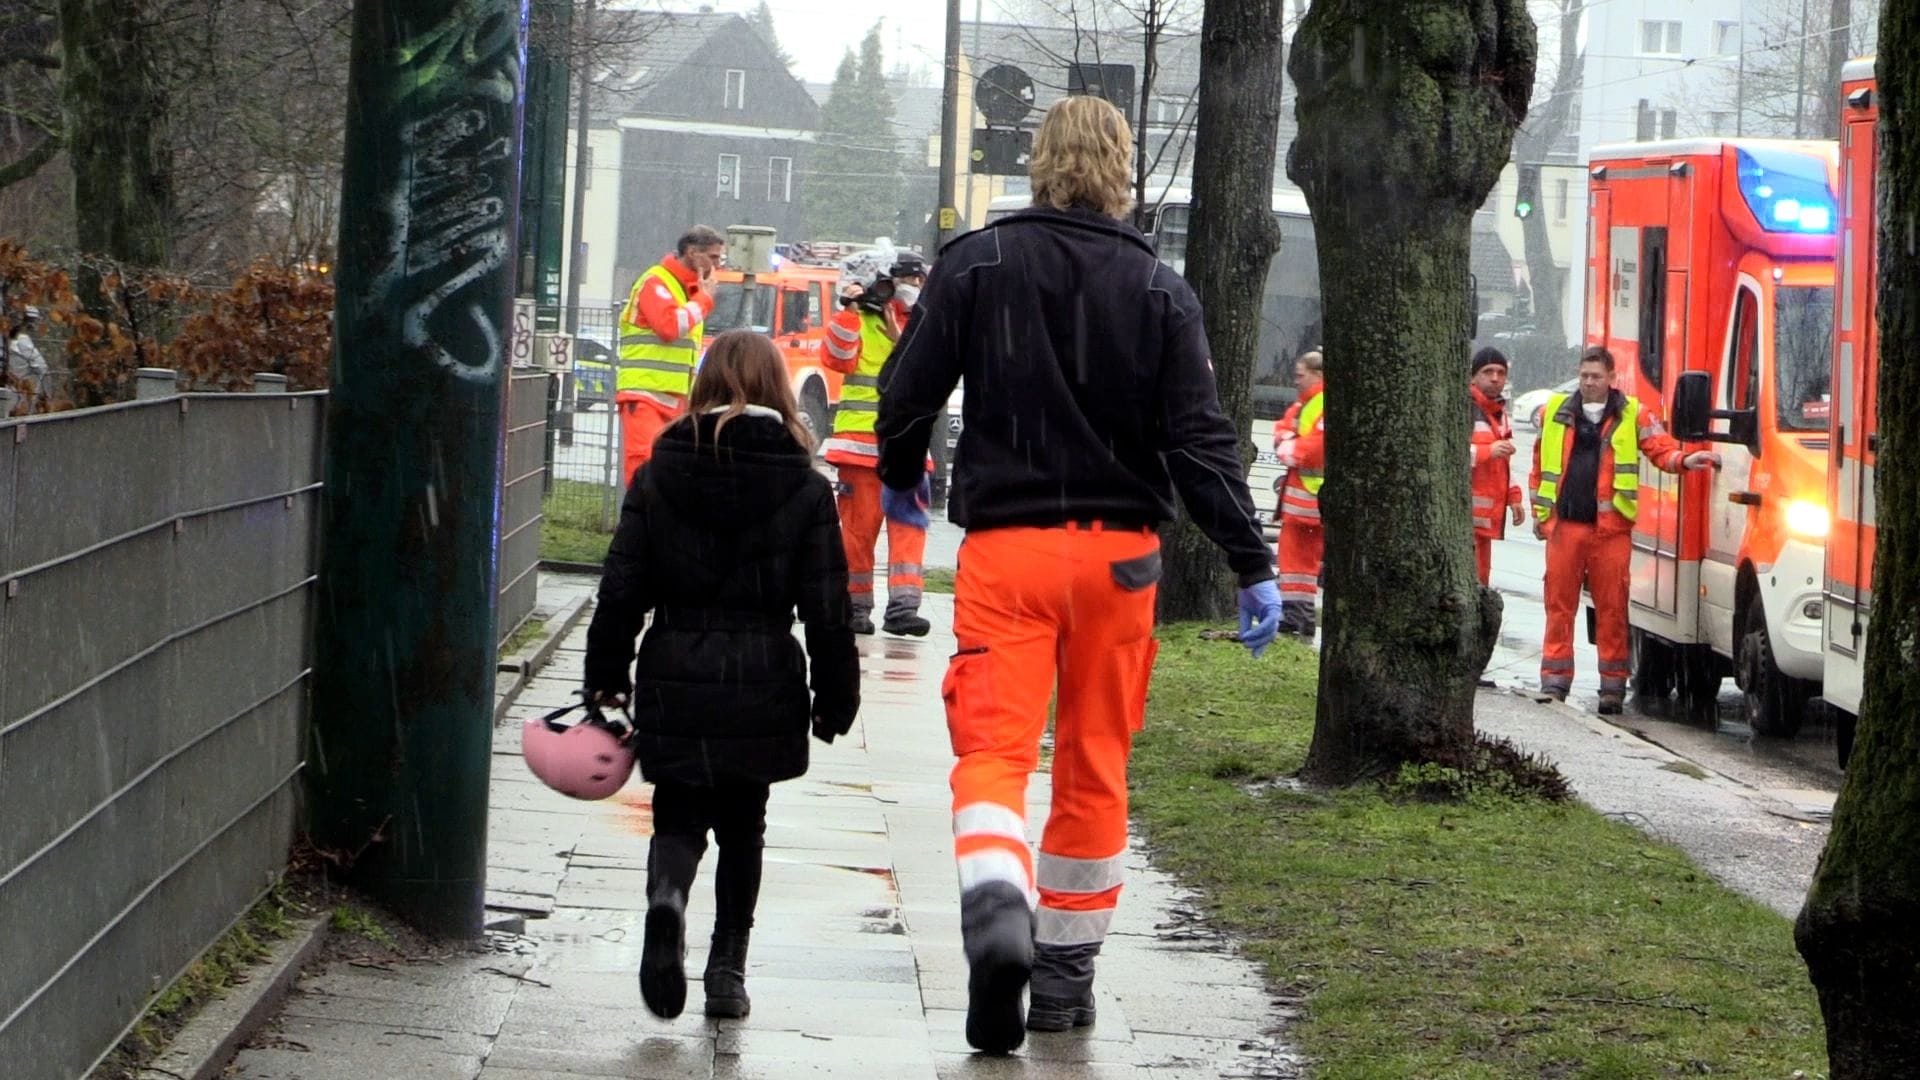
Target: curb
(203, 1049)
(557, 566)
(524, 664)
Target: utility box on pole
(405, 650)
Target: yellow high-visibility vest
(1310, 413)
(859, 404)
(1625, 439)
(646, 362)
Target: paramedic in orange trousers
(1090, 402)
(1300, 441)
(1586, 485)
(1493, 449)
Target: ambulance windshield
(730, 308)
(1803, 356)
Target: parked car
(1529, 406)
(592, 373)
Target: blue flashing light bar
(1786, 190)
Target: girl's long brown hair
(744, 368)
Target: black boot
(910, 624)
(1062, 995)
(996, 926)
(726, 977)
(671, 863)
(863, 622)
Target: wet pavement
(855, 970)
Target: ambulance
(1710, 278)
(1854, 429)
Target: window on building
(1167, 110)
(1560, 200)
(736, 96)
(1720, 122)
(1660, 37)
(1726, 38)
(728, 186)
(780, 179)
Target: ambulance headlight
(1807, 519)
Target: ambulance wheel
(1773, 701)
(1652, 669)
(1697, 678)
(816, 413)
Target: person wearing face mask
(1586, 484)
(1492, 438)
(877, 293)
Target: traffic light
(1529, 193)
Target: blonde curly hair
(1083, 156)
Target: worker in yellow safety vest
(660, 332)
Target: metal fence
(158, 560)
(528, 399)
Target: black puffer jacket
(722, 543)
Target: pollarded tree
(1407, 111)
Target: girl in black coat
(723, 535)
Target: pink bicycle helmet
(587, 760)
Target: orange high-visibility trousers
(1034, 610)
(1302, 546)
(860, 521)
(642, 418)
(1483, 557)
(1599, 559)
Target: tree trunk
(1149, 71)
(1233, 239)
(1856, 931)
(1545, 277)
(1407, 114)
(1548, 127)
(1839, 51)
(117, 133)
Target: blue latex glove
(908, 507)
(1259, 616)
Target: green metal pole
(544, 180)
(404, 637)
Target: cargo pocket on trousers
(965, 691)
(1137, 670)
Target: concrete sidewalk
(855, 970)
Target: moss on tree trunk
(1242, 67)
(1407, 113)
(1857, 931)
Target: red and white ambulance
(1854, 429)
(1710, 279)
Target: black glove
(828, 726)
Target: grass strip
(1493, 937)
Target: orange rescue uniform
(858, 347)
(1302, 543)
(1493, 487)
(1584, 499)
(651, 306)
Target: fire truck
(1710, 278)
(1854, 430)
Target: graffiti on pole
(446, 195)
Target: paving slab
(855, 971)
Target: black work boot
(671, 863)
(996, 926)
(1612, 702)
(903, 616)
(1062, 994)
(862, 622)
(726, 976)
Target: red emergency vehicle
(792, 305)
(1854, 431)
(1710, 278)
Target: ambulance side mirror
(1692, 406)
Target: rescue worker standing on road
(1586, 483)
(660, 331)
(1300, 441)
(1493, 486)
(878, 291)
(1090, 401)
